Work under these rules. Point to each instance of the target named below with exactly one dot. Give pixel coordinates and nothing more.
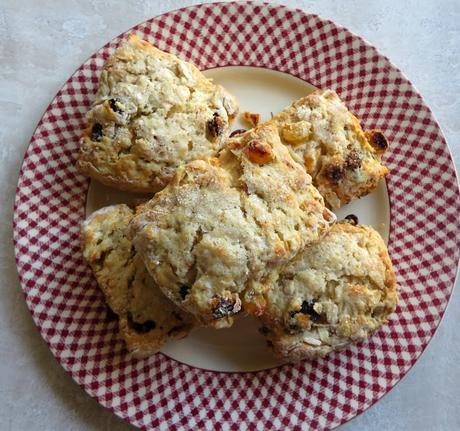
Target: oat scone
(334, 293)
(152, 113)
(215, 235)
(147, 319)
(326, 138)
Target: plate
(265, 92)
(267, 55)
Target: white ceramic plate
(209, 385)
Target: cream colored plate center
(241, 348)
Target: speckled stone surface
(43, 42)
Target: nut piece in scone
(327, 139)
(147, 319)
(216, 234)
(251, 118)
(152, 113)
(334, 293)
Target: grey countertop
(43, 42)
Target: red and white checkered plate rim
(160, 393)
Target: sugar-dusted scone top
(332, 294)
(326, 138)
(214, 236)
(153, 112)
(147, 319)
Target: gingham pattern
(159, 393)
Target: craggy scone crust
(147, 319)
(326, 138)
(334, 293)
(153, 112)
(214, 236)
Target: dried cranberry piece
(237, 132)
(352, 219)
(307, 308)
(143, 327)
(96, 132)
(215, 126)
(113, 105)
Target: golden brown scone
(153, 112)
(217, 233)
(147, 319)
(327, 139)
(334, 293)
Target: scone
(327, 139)
(214, 236)
(153, 112)
(147, 319)
(332, 294)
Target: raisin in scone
(152, 113)
(147, 319)
(334, 293)
(217, 233)
(326, 138)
